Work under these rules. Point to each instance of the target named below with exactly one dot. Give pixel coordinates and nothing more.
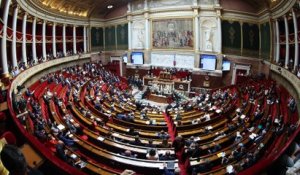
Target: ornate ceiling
(82, 8)
(262, 4)
(98, 8)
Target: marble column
(296, 61)
(147, 26)
(64, 41)
(219, 34)
(287, 46)
(44, 40)
(197, 37)
(74, 40)
(147, 32)
(54, 40)
(277, 41)
(14, 41)
(24, 51)
(129, 34)
(129, 18)
(3, 41)
(84, 39)
(34, 41)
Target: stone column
(277, 41)
(24, 51)
(296, 61)
(54, 40)
(129, 18)
(74, 40)
(129, 34)
(219, 33)
(64, 41)
(34, 41)
(197, 35)
(287, 46)
(84, 39)
(147, 26)
(14, 42)
(147, 32)
(44, 40)
(3, 41)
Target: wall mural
(122, 37)
(97, 38)
(138, 34)
(250, 40)
(172, 34)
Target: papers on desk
(154, 122)
(197, 139)
(221, 154)
(82, 164)
(100, 138)
(73, 156)
(61, 127)
(115, 134)
(243, 116)
(209, 127)
(218, 111)
(252, 136)
(229, 169)
(162, 152)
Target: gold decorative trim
(5, 75)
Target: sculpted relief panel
(168, 3)
(209, 37)
(138, 35)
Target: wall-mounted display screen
(137, 58)
(208, 62)
(226, 66)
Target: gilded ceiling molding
(279, 11)
(46, 16)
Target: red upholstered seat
(9, 137)
(2, 117)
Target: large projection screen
(208, 62)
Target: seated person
(133, 132)
(29, 93)
(13, 161)
(67, 138)
(48, 93)
(128, 153)
(152, 154)
(137, 141)
(163, 135)
(167, 156)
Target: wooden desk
(32, 158)
(158, 98)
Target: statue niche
(208, 35)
